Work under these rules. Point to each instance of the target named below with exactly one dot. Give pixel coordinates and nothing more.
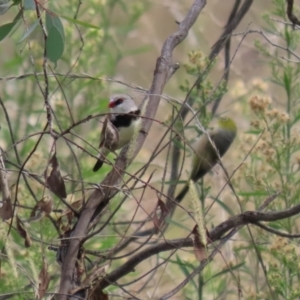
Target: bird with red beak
(118, 127)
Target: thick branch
(254, 217)
(250, 217)
(141, 256)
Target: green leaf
(168, 220)
(5, 30)
(276, 225)
(178, 261)
(84, 24)
(254, 131)
(55, 45)
(296, 119)
(29, 5)
(29, 31)
(184, 270)
(53, 21)
(56, 38)
(231, 269)
(254, 194)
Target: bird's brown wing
(109, 135)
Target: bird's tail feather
(182, 193)
(101, 159)
(98, 165)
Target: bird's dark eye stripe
(119, 101)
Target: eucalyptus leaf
(56, 38)
(84, 24)
(5, 30)
(29, 31)
(55, 45)
(53, 21)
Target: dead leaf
(76, 205)
(96, 273)
(95, 276)
(42, 208)
(23, 232)
(55, 181)
(44, 280)
(199, 248)
(80, 266)
(66, 217)
(6, 211)
(159, 215)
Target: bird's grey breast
(223, 140)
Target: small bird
(205, 156)
(118, 126)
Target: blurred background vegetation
(113, 48)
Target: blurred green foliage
(83, 38)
